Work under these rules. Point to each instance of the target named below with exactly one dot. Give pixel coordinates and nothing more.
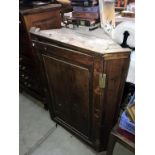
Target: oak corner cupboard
(84, 76)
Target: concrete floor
(39, 136)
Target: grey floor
(39, 136)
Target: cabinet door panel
(70, 89)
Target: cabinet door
(70, 84)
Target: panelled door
(70, 84)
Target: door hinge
(102, 80)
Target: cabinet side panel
(116, 71)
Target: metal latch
(102, 80)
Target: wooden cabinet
(43, 17)
(85, 86)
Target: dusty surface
(96, 40)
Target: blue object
(132, 99)
(86, 9)
(126, 124)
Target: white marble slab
(96, 40)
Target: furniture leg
(111, 144)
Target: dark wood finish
(76, 101)
(117, 137)
(116, 69)
(39, 9)
(70, 102)
(45, 17)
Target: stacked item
(127, 121)
(86, 11)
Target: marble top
(96, 41)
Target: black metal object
(72, 21)
(124, 43)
